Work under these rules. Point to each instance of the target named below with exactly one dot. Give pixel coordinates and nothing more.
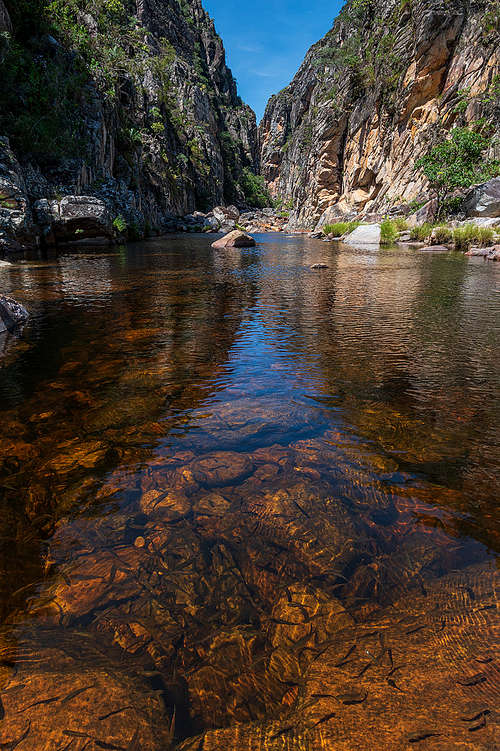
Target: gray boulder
(426, 214)
(226, 214)
(366, 234)
(73, 219)
(228, 225)
(12, 314)
(211, 224)
(484, 200)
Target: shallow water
(246, 504)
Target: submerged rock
(435, 248)
(235, 239)
(12, 314)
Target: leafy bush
(443, 234)
(400, 223)
(421, 233)
(388, 232)
(470, 234)
(40, 104)
(340, 228)
(120, 225)
(255, 189)
(457, 162)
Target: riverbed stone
(235, 239)
(70, 702)
(221, 468)
(169, 505)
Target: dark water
(249, 505)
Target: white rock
(366, 234)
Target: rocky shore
(27, 223)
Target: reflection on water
(248, 505)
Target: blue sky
(266, 40)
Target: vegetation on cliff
(457, 162)
(387, 84)
(136, 93)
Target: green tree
(457, 162)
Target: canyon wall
(129, 101)
(386, 82)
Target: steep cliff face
(128, 101)
(385, 83)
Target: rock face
(387, 81)
(73, 217)
(15, 213)
(484, 201)
(139, 110)
(12, 314)
(235, 239)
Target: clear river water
(246, 504)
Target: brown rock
(170, 505)
(235, 239)
(55, 701)
(221, 468)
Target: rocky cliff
(128, 102)
(390, 79)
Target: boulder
(228, 226)
(426, 214)
(224, 214)
(235, 239)
(211, 224)
(73, 218)
(12, 314)
(232, 213)
(484, 200)
(366, 234)
(478, 252)
(491, 254)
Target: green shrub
(120, 225)
(388, 232)
(469, 235)
(457, 162)
(443, 234)
(255, 189)
(421, 233)
(400, 223)
(340, 228)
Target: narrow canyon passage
(251, 505)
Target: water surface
(249, 505)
